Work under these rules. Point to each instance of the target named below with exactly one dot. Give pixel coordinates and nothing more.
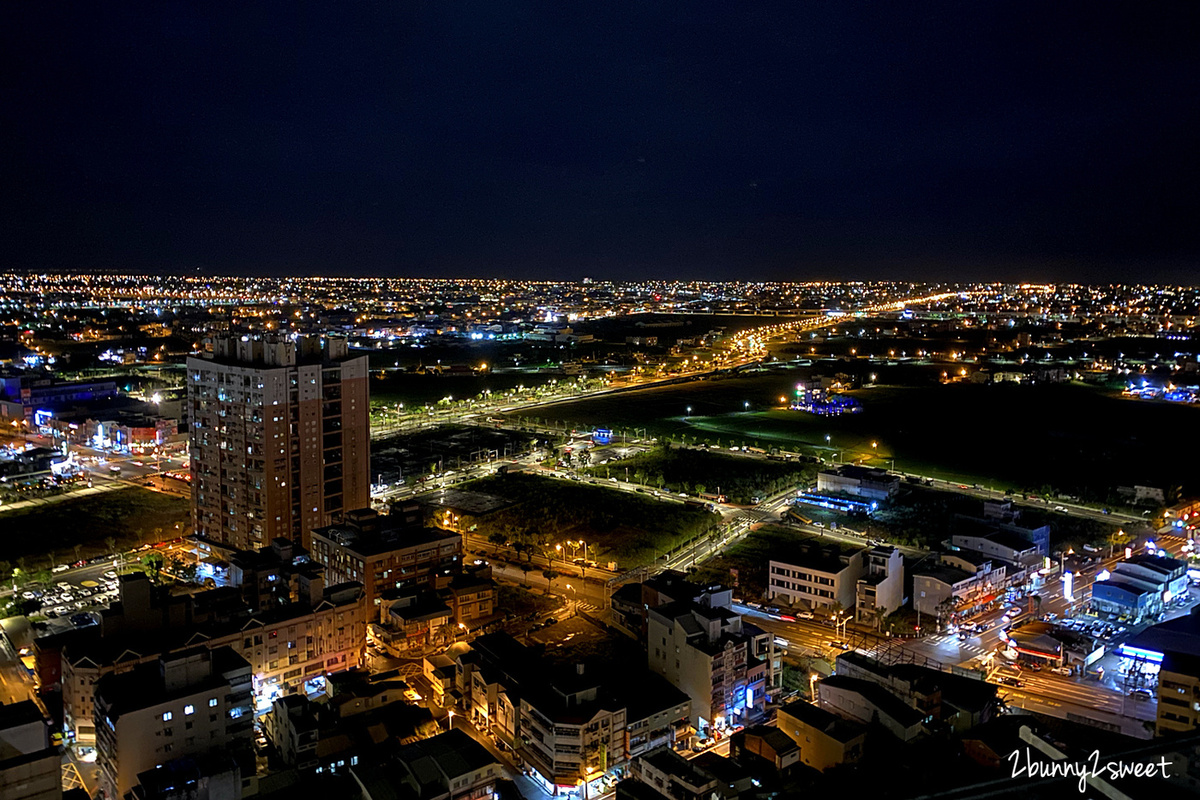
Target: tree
(700, 488)
(498, 538)
(78, 549)
(110, 544)
(549, 575)
(525, 570)
(661, 481)
(153, 562)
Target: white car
(1064, 671)
(111, 574)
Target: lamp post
(575, 598)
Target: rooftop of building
(87, 644)
(635, 789)
(422, 606)
(960, 691)
(667, 761)
(816, 553)
(886, 702)
(1180, 635)
(1164, 564)
(945, 573)
(157, 682)
(645, 694)
(382, 534)
(843, 730)
(1181, 663)
(1126, 583)
(779, 741)
(858, 472)
(725, 770)
(13, 715)
(968, 526)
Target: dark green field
(48, 535)
(630, 529)
(700, 471)
(1074, 438)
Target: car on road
(60, 568)
(110, 574)
(838, 645)
(1141, 695)
(804, 614)
(1060, 509)
(1005, 680)
(1064, 671)
(550, 621)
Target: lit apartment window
(188, 710)
(167, 716)
(212, 702)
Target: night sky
(688, 139)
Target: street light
(575, 597)
(689, 411)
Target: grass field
(48, 535)
(739, 478)
(1075, 438)
(630, 529)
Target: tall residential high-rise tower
(280, 437)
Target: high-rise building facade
(280, 438)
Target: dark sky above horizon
(694, 139)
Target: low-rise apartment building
(1178, 694)
(724, 664)
(825, 739)
(817, 574)
(856, 481)
(384, 552)
(286, 647)
(572, 732)
(191, 703)
(30, 765)
(867, 702)
(881, 590)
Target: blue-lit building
(1130, 599)
(33, 392)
